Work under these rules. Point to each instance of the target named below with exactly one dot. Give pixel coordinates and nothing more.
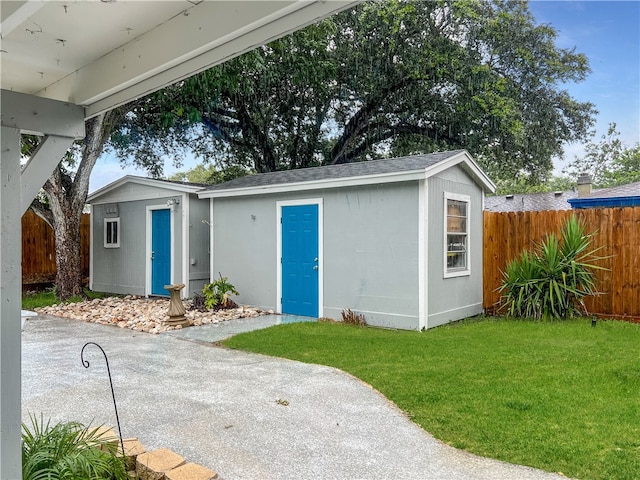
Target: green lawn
(560, 396)
(46, 298)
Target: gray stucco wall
(199, 245)
(453, 298)
(370, 250)
(371, 253)
(123, 270)
(244, 239)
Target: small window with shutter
(112, 232)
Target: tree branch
(356, 125)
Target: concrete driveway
(246, 416)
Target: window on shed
(112, 232)
(456, 228)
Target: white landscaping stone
(140, 313)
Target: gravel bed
(142, 314)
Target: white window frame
(464, 271)
(111, 244)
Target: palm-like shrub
(552, 280)
(67, 451)
(217, 294)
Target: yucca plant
(552, 280)
(67, 451)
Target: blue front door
(160, 251)
(300, 260)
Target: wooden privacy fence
(616, 230)
(39, 249)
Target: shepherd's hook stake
(85, 364)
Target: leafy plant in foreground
(68, 451)
(217, 293)
(552, 280)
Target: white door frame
(150, 208)
(288, 203)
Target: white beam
(10, 286)
(41, 165)
(183, 46)
(31, 114)
(15, 13)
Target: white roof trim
(463, 157)
(317, 184)
(150, 182)
(468, 164)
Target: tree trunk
(68, 261)
(67, 194)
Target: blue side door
(160, 251)
(300, 264)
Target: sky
(607, 32)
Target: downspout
(423, 253)
(186, 245)
(211, 243)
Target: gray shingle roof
(346, 170)
(529, 202)
(554, 200)
(628, 190)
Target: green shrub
(552, 281)
(217, 293)
(68, 451)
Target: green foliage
(218, 292)
(46, 298)
(624, 169)
(609, 161)
(523, 184)
(560, 396)
(381, 79)
(67, 451)
(552, 281)
(209, 174)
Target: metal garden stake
(85, 363)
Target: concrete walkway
(225, 409)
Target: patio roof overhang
(64, 62)
(101, 54)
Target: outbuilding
(146, 234)
(398, 240)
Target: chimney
(584, 185)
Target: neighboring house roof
(527, 202)
(621, 196)
(412, 167)
(180, 187)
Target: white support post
(10, 297)
(56, 120)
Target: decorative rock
(132, 449)
(140, 313)
(155, 464)
(191, 471)
(104, 435)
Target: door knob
(315, 267)
(315, 259)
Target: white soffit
(101, 54)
